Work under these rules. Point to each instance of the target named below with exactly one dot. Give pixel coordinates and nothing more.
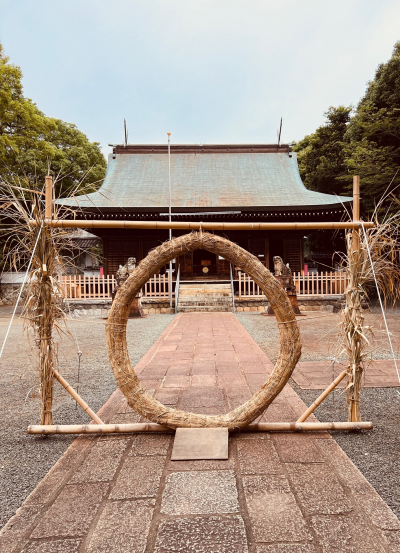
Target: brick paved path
(317, 375)
(277, 493)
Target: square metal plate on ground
(192, 444)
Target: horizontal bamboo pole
(321, 398)
(152, 427)
(77, 398)
(191, 225)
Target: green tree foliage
(321, 155)
(366, 143)
(30, 142)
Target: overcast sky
(209, 71)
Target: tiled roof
(204, 177)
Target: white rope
(20, 292)
(380, 301)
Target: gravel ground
(375, 452)
(24, 459)
(319, 333)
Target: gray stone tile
(139, 477)
(123, 526)
(297, 448)
(54, 546)
(202, 535)
(72, 512)
(102, 462)
(150, 444)
(347, 534)
(274, 514)
(317, 489)
(14, 532)
(258, 457)
(201, 492)
(286, 548)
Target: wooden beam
(191, 225)
(152, 427)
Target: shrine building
(229, 183)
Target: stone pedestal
(288, 284)
(136, 307)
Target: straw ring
(290, 345)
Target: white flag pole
(169, 213)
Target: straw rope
(138, 398)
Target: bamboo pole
(77, 397)
(152, 427)
(321, 398)
(356, 211)
(193, 225)
(48, 197)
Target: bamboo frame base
(323, 396)
(152, 427)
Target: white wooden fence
(312, 284)
(96, 287)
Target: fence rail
(312, 284)
(95, 287)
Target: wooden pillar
(49, 197)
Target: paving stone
(392, 541)
(253, 368)
(14, 532)
(55, 546)
(150, 444)
(139, 477)
(201, 492)
(153, 373)
(48, 487)
(371, 503)
(123, 526)
(72, 512)
(258, 457)
(176, 381)
(279, 412)
(203, 380)
(273, 511)
(297, 448)
(203, 368)
(102, 462)
(168, 396)
(126, 418)
(202, 535)
(202, 397)
(317, 489)
(179, 370)
(347, 534)
(286, 548)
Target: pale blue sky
(209, 71)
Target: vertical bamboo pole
(354, 313)
(48, 197)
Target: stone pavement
(277, 493)
(316, 375)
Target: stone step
(203, 308)
(204, 302)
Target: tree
(321, 156)
(31, 142)
(365, 143)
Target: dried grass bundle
(26, 238)
(382, 241)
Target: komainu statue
(125, 270)
(280, 268)
(122, 274)
(285, 277)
